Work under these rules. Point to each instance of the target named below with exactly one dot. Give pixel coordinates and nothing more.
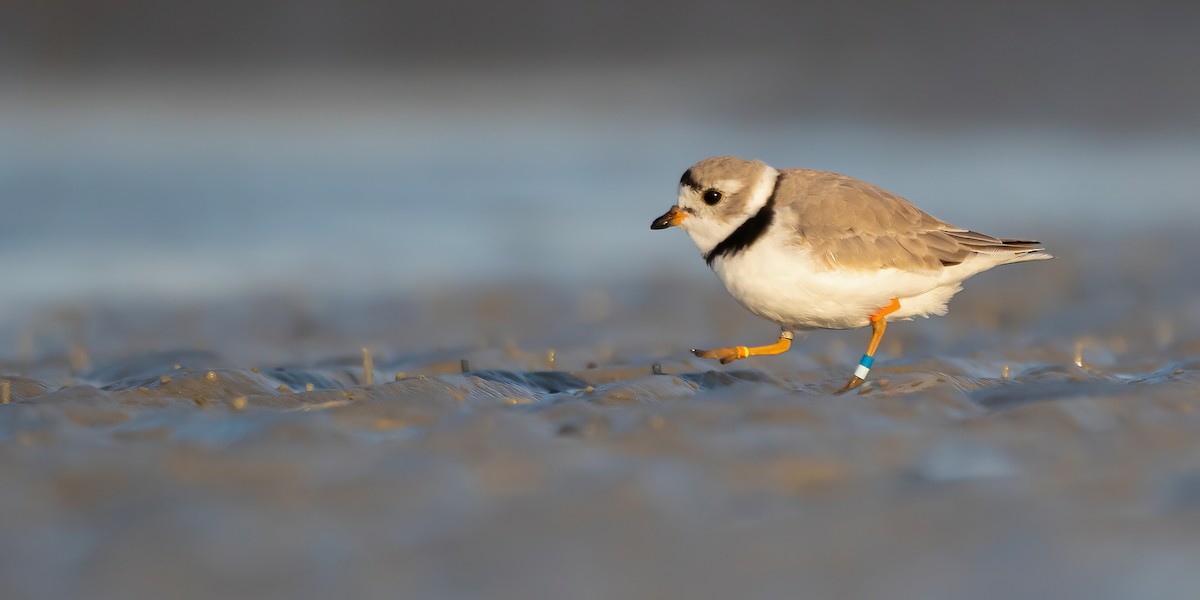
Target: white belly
(784, 284)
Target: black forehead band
(688, 180)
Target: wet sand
(1043, 440)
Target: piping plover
(817, 250)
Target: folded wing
(848, 223)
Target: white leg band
(861, 372)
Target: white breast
(783, 283)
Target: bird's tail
(1024, 250)
(1012, 250)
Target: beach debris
(5, 391)
(368, 367)
(465, 364)
(656, 368)
(1005, 372)
(211, 376)
(550, 358)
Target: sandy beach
(562, 443)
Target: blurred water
(114, 200)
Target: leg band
(864, 366)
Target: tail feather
(1024, 250)
(1019, 250)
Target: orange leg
(728, 355)
(878, 326)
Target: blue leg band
(864, 366)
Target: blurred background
(305, 297)
(171, 149)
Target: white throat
(708, 232)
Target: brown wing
(849, 223)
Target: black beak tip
(665, 221)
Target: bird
(809, 249)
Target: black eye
(712, 197)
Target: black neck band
(749, 231)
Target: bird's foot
(853, 383)
(725, 355)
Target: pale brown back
(848, 223)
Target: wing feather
(848, 223)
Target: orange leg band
(728, 355)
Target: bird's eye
(711, 197)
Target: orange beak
(672, 218)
